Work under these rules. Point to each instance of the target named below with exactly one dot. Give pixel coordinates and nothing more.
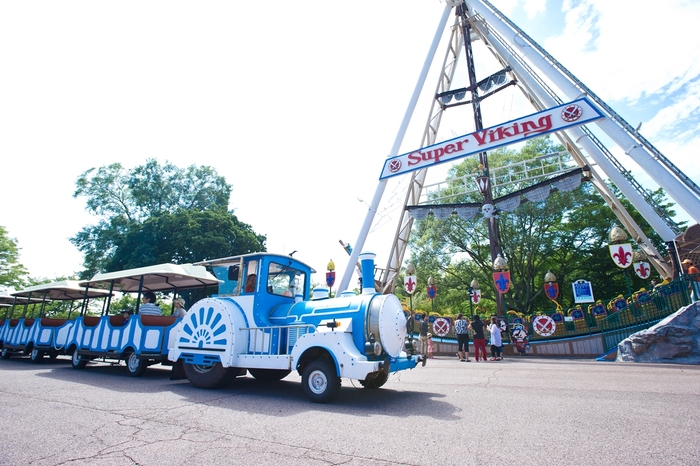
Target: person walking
(479, 340)
(462, 332)
(423, 338)
(496, 341)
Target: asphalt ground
(520, 411)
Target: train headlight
(374, 348)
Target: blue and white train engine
(265, 321)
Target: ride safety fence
(615, 319)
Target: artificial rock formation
(676, 339)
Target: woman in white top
(496, 341)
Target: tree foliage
(12, 273)
(566, 233)
(158, 213)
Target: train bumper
(403, 362)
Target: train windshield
(284, 280)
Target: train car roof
(232, 260)
(8, 298)
(162, 277)
(61, 290)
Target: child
(430, 346)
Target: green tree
(158, 213)
(12, 273)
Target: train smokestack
(367, 265)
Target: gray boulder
(676, 339)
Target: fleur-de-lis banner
(621, 254)
(502, 281)
(642, 269)
(409, 283)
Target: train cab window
(283, 280)
(251, 277)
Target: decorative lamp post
(482, 179)
(330, 275)
(474, 295)
(551, 287)
(409, 284)
(432, 291)
(621, 252)
(501, 277)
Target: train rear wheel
(77, 360)
(36, 355)
(269, 375)
(319, 381)
(135, 365)
(376, 382)
(215, 376)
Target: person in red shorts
(479, 340)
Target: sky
(296, 104)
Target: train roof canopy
(9, 298)
(162, 277)
(61, 290)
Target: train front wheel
(319, 381)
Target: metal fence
(615, 319)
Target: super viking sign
(558, 118)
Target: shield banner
(441, 326)
(642, 269)
(432, 291)
(552, 290)
(502, 281)
(476, 296)
(621, 254)
(544, 325)
(409, 283)
(330, 279)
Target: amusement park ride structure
(546, 84)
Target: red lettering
(450, 148)
(439, 152)
(480, 137)
(414, 158)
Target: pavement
(519, 411)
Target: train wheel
(135, 365)
(215, 376)
(36, 355)
(319, 381)
(77, 360)
(269, 375)
(6, 354)
(376, 382)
